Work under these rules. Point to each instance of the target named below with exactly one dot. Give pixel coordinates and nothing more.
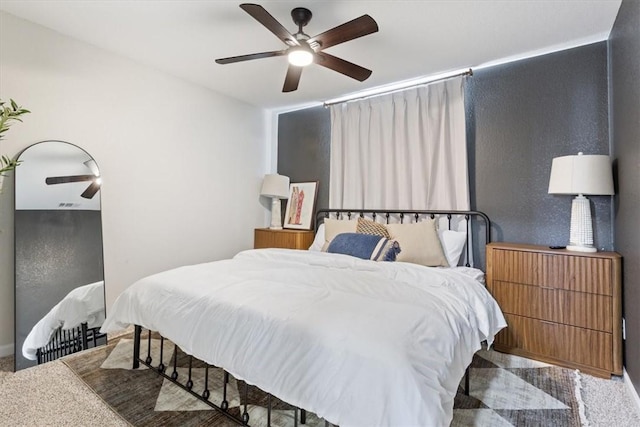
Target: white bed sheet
(83, 304)
(360, 343)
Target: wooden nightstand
(286, 238)
(562, 307)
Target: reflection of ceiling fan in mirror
(303, 50)
(91, 190)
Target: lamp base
(276, 217)
(581, 233)
(577, 248)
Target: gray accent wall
(304, 142)
(520, 116)
(624, 60)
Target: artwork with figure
(301, 205)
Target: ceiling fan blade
(292, 79)
(345, 67)
(262, 16)
(71, 178)
(348, 31)
(91, 190)
(240, 58)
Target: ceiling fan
(93, 187)
(302, 50)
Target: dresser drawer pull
(548, 287)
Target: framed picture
(301, 205)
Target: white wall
(181, 165)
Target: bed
(355, 341)
(70, 326)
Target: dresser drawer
(574, 273)
(558, 342)
(562, 307)
(556, 305)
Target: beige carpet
(50, 395)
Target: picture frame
(301, 205)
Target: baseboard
(6, 350)
(632, 390)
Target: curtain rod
(355, 97)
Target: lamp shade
(581, 174)
(276, 186)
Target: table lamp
(580, 175)
(277, 187)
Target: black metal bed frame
(205, 394)
(69, 341)
(414, 215)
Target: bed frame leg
(245, 414)
(466, 382)
(303, 416)
(136, 346)
(161, 366)
(148, 360)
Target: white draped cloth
(404, 150)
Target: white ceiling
(416, 38)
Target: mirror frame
(70, 218)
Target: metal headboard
(414, 216)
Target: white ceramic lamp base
(581, 234)
(276, 217)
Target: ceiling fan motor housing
(301, 16)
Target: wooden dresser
(286, 238)
(562, 307)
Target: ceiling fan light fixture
(300, 57)
(302, 50)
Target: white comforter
(83, 304)
(360, 343)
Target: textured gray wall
(56, 251)
(520, 116)
(304, 139)
(624, 51)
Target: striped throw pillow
(366, 226)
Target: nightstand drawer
(556, 305)
(529, 301)
(558, 342)
(573, 273)
(287, 239)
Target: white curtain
(405, 150)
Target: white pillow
(333, 227)
(318, 241)
(453, 243)
(419, 243)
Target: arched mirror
(59, 272)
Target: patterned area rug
(505, 391)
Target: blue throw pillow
(365, 246)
